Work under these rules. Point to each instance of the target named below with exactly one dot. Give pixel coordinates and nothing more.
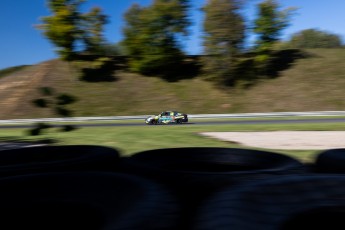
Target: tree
(134, 40)
(62, 27)
(224, 35)
(111, 49)
(151, 35)
(270, 23)
(67, 27)
(268, 26)
(313, 38)
(93, 27)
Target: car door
(165, 117)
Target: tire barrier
(289, 202)
(210, 167)
(87, 200)
(195, 173)
(42, 159)
(193, 188)
(330, 161)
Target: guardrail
(272, 114)
(233, 115)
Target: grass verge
(133, 139)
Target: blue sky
(22, 44)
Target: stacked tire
(330, 161)
(44, 159)
(311, 200)
(287, 203)
(197, 188)
(78, 187)
(194, 174)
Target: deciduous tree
(93, 24)
(270, 22)
(313, 38)
(268, 25)
(224, 35)
(70, 30)
(152, 34)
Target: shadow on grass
(247, 71)
(283, 60)
(104, 73)
(105, 70)
(188, 68)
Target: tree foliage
(134, 37)
(93, 27)
(224, 35)
(68, 28)
(313, 38)
(269, 23)
(152, 34)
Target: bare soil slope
(18, 89)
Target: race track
(200, 122)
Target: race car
(167, 117)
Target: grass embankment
(314, 82)
(130, 140)
(7, 71)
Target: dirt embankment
(18, 89)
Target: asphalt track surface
(242, 122)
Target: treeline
(153, 37)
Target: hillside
(313, 83)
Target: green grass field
(133, 139)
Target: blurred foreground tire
(95, 201)
(195, 173)
(57, 158)
(291, 202)
(210, 167)
(330, 161)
